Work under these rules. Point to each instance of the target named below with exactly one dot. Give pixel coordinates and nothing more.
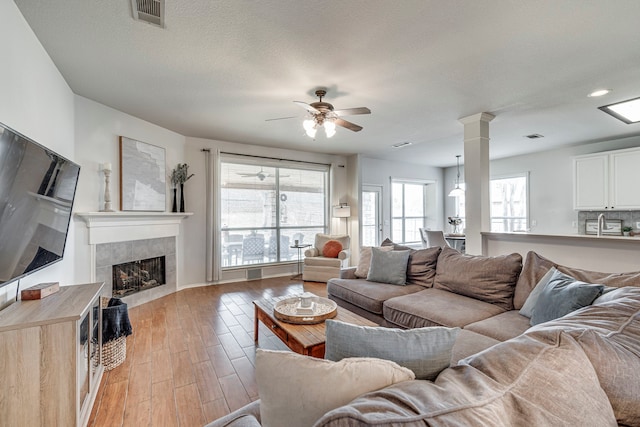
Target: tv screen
(37, 190)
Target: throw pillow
(388, 267)
(331, 249)
(421, 268)
(532, 299)
(362, 270)
(297, 390)
(488, 279)
(536, 266)
(562, 295)
(426, 351)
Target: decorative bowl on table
(305, 309)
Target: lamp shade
(456, 192)
(341, 211)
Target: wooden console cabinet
(50, 358)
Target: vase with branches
(179, 176)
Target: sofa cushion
(316, 385)
(501, 327)
(562, 295)
(546, 381)
(421, 268)
(435, 307)
(367, 295)
(388, 266)
(609, 334)
(426, 351)
(489, 279)
(365, 260)
(535, 266)
(468, 343)
(320, 261)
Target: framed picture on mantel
(613, 227)
(142, 176)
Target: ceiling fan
(262, 175)
(322, 114)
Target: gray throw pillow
(426, 351)
(563, 295)
(532, 299)
(388, 267)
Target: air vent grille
(401, 144)
(534, 136)
(151, 11)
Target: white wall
(379, 172)
(36, 101)
(550, 183)
(194, 236)
(97, 133)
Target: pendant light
(457, 192)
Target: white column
(476, 179)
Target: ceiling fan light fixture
(310, 127)
(329, 128)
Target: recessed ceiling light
(599, 92)
(401, 144)
(627, 111)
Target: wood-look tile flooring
(191, 357)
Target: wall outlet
(574, 224)
(534, 222)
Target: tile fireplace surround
(118, 237)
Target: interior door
(371, 231)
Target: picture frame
(142, 176)
(614, 227)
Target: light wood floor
(191, 357)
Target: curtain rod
(275, 158)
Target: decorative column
(476, 179)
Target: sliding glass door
(265, 206)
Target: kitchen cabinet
(50, 352)
(607, 180)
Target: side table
(299, 247)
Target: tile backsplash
(629, 218)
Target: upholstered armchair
(320, 268)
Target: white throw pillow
(297, 390)
(362, 270)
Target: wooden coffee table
(303, 339)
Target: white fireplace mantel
(109, 227)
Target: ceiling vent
(401, 144)
(534, 136)
(151, 11)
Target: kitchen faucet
(602, 224)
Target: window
(509, 203)
(265, 207)
(509, 210)
(407, 211)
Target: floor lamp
(343, 211)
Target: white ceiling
(220, 68)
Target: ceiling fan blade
(345, 124)
(352, 111)
(306, 106)
(281, 118)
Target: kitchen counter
(589, 252)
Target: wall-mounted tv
(37, 190)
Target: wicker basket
(114, 352)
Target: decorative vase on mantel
(181, 197)
(174, 208)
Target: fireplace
(135, 276)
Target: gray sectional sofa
(580, 369)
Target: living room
(37, 101)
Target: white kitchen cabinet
(607, 180)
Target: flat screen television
(37, 190)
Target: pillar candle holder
(107, 191)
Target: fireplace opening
(136, 276)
